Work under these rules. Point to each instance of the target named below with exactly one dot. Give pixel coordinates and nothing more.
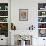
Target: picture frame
(23, 14)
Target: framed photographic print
(23, 14)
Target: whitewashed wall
(32, 13)
(32, 6)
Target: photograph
(23, 14)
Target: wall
(32, 6)
(32, 13)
